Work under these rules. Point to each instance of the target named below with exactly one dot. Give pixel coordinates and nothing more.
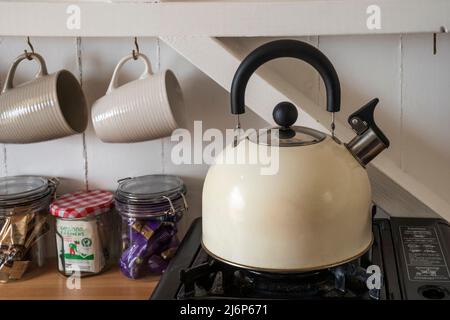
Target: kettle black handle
(289, 49)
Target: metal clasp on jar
(172, 211)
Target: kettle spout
(369, 140)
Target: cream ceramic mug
(147, 108)
(48, 107)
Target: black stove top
(408, 260)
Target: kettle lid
(285, 135)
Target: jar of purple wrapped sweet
(150, 207)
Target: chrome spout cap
(370, 140)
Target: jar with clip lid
(24, 224)
(150, 207)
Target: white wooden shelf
(220, 18)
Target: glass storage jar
(150, 207)
(84, 231)
(24, 224)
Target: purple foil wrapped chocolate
(160, 239)
(132, 269)
(134, 257)
(156, 264)
(168, 251)
(148, 239)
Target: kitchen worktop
(48, 283)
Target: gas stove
(409, 259)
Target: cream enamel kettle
(314, 212)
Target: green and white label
(80, 246)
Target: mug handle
(115, 78)
(12, 70)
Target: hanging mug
(147, 108)
(48, 107)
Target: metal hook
(135, 52)
(442, 29)
(29, 54)
(434, 44)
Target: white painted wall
(411, 82)
(413, 87)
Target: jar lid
(17, 190)
(150, 188)
(166, 209)
(82, 204)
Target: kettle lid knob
(285, 114)
(285, 134)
